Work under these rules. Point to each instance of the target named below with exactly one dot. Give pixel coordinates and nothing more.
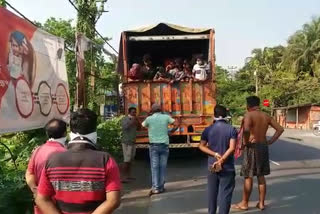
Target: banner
(33, 78)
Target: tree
(303, 51)
(2, 3)
(89, 12)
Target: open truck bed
(190, 102)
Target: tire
(316, 130)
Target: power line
(17, 11)
(106, 41)
(26, 18)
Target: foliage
(15, 197)
(2, 3)
(109, 133)
(286, 75)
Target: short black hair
(131, 109)
(56, 128)
(146, 57)
(83, 121)
(253, 101)
(220, 111)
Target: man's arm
(112, 203)
(176, 124)
(246, 129)
(31, 181)
(204, 148)
(279, 130)
(230, 151)
(44, 194)
(46, 205)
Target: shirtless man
(255, 151)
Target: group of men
(220, 142)
(173, 70)
(78, 178)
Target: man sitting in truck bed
(147, 69)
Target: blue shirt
(218, 136)
(157, 125)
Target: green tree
(303, 51)
(2, 3)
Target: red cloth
(238, 150)
(135, 72)
(39, 158)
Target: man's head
(83, 122)
(220, 112)
(132, 111)
(253, 101)
(156, 108)
(200, 60)
(147, 60)
(56, 129)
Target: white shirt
(200, 71)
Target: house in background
(297, 116)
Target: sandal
(238, 207)
(260, 208)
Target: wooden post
(297, 117)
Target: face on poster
(33, 78)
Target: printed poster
(33, 78)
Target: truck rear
(190, 102)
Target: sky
(240, 25)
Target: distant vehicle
(191, 103)
(316, 129)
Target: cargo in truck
(188, 100)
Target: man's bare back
(257, 123)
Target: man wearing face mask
(200, 70)
(82, 179)
(56, 131)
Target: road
(293, 186)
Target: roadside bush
(109, 133)
(15, 149)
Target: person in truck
(147, 69)
(135, 72)
(200, 70)
(162, 75)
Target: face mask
(61, 140)
(15, 65)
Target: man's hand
(279, 130)
(217, 155)
(113, 202)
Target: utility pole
(89, 12)
(257, 87)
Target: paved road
(294, 185)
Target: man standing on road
(157, 125)
(56, 131)
(218, 142)
(82, 179)
(256, 153)
(130, 124)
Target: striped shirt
(79, 178)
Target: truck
(190, 102)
